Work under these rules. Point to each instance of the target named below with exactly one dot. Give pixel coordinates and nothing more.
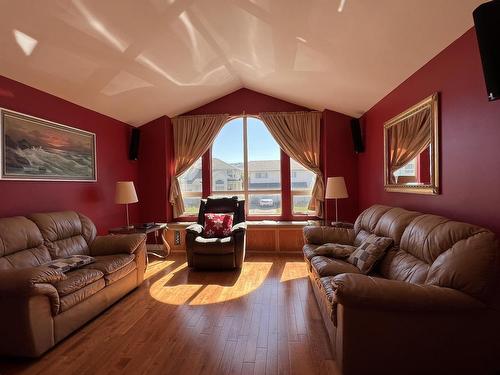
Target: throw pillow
(70, 262)
(335, 250)
(369, 252)
(218, 225)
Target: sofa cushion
(108, 264)
(393, 223)
(81, 294)
(119, 274)
(367, 221)
(334, 250)
(76, 280)
(369, 252)
(212, 246)
(21, 244)
(69, 263)
(324, 266)
(65, 233)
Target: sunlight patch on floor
(184, 286)
(293, 270)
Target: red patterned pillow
(218, 225)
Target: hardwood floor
(263, 320)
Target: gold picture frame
(34, 149)
(431, 104)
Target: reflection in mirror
(411, 160)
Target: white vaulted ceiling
(136, 60)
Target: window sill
(257, 223)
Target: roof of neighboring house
(254, 165)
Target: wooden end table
(158, 229)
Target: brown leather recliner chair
(217, 253)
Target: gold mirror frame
(430, 103)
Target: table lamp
(125, 194)
(336, 189)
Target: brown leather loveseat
(430, 306)
(40, 306)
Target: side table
(158, 229)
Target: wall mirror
(411, 149)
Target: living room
(251, 186)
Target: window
(191, 187)
(408, 173)
(246, 162)
(302, 182)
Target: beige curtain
(298, 134)
(193, 135)
(408, 139)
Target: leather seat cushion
(212, 246)
(120, 274)
(108, 264)
(323, 266)
(76, 280)
(81, 294)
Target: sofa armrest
(363, 291)
(320, 235)
(119, 243)
(341, 224)
(240, 227)
(25, 281)
(195, 228)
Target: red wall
(95, 199)
(339, 159)
(470, 139)
(155, 169)
(248, 101)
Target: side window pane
(301, 178)
(191, 187)
(191, 180)
(227, 158)
(302, 181)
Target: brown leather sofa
(38, 307)
(217, 253)
(431, 306)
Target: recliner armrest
(240, 227)
(363, 291)
(116, 244)
(319, 235)
(195, 229)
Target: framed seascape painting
(36, 149)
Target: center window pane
(228, 158)
(264, 157)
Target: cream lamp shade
(125, 193)
(335, 188)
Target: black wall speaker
(487, 23)
(133, 151)
(357, 138)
